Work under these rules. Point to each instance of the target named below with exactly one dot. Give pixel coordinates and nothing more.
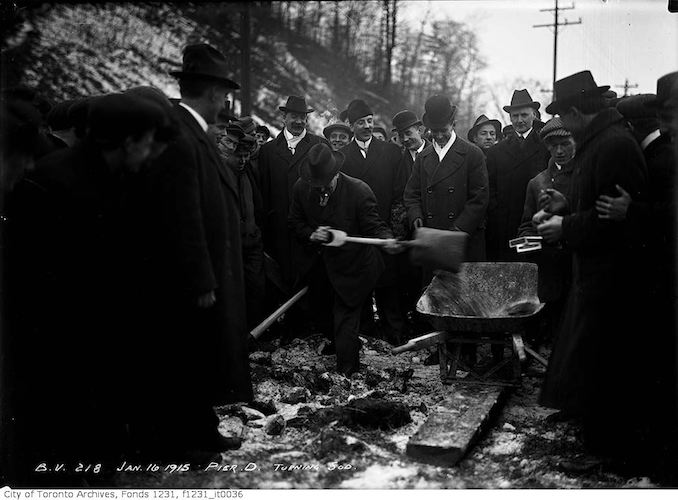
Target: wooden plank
(456, 424)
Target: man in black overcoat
(510, 165)
(590, 372)
(381, 165)
(197, 342)
(341, 278)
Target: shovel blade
(438, 249)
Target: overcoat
(409, 162)
(510, 166)
(353, 269)
(384, 171)
(195, 248)
(588, 370)
(278, 171)
(554, 261)
(451, 194)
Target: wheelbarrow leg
(519, 347)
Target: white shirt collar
(201, 121)
(415, 153)
(649, 139)
(524, 136)
(289, 136)
(443, 151)
(364, 145)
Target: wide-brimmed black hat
(635, 107)
(336, 126)
(664, 86)
(358, 109)
(204, 62)
(439, 111)
(521, 99)
(484, 120)
(572, 88)
(295, 104)
(403, 120)
(320, 165)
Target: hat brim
(285, 109)
(305, 173)
(495, 123)
(337, 126)
(203, 76)
(406, 126)
(556, 106)
(533, 104)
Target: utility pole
(245, 91)
(555, 25)
(626, 87)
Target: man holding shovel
(340, 278)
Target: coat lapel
(300, 151)
(450, 164)
(281, 147)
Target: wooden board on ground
(456, 424)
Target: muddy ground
(304, 441)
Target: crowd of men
(144, 238)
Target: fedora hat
(484, 120)
(336, 126)
(295, 104)
(320, 165)
(439, 111)
(570, 89)
(204, 62)
(664, 86)
(403, 120)
(521, 99)
(357, 110)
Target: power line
(626, 87)
(555, 25)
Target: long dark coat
(409, 162)
(554, 261)
(451, 194)
(385, 172)
(278, 171)
(588, 370)
(196, 248)
(510, 166)
(353, 269)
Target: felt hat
(664, 92)
(439, 111)
(635, 107)
(320, 165)
(403, 120)
(204, 62)
(484, 120)
(336, 126)
(295, 104)
(569, 90)
(343, 116)
(114, 117)
(554, 128)
(521, 99)
(247, 124)
(358, 109)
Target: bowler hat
(320, 165)
(201, 61)
(343, 116)
(358, 109)
(336, 126)
(554, 128)
(484, 120)
(635, 107)
(404, 119)
(439, 111)
(295, 104)
(664, 86)
(569, 90)
(521, 99)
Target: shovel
(432, 248)
(265, 325)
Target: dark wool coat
(554, 261)
(196, 247)
(384, 171)
(353, 269)
(278, 171)
(451, 194)
(409, 162)
(588, 370)
(510, 166)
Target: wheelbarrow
(485, 303)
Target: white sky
(618, 39)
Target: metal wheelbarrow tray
(486, 302)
